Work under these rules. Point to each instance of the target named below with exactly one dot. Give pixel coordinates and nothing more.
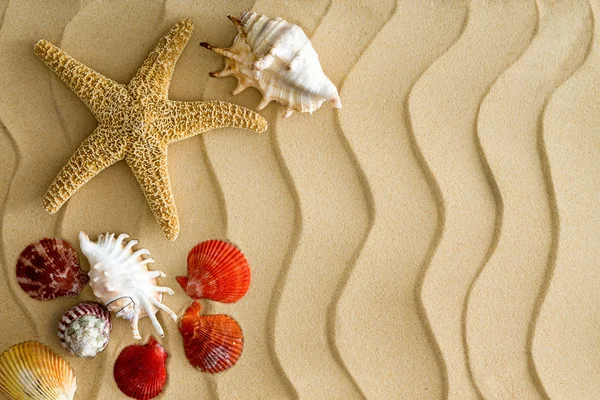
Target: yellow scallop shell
(31, 370)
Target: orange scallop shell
(140, 370)
(32, 370)
(217, 270)
(49, 268)
(212, 343)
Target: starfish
(136, 123)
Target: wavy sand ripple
(34, 129)
(383, 281)
(261, 218)
(329, 235)
(454, 87)
(508, 125)
(565, 345)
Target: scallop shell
(217, 270)
(212, 343)
(277, 58)
(120, 279)
(140, 370)
(31, 370)
(49, 268)
(84, 329)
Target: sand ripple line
(302, 18)
(9, 166)
(388, 266)
(454, 87)
(38, 135)
(324, 240)
(508, 286)
(257, 194)
(564, 344)
(341, 12)
(435, 193)
(3, 8)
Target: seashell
(84, 329)
(217, 270)
(31, 370)
(277, 58)
(212, 343)
(49, 268)
(120, 279)
(140, 370)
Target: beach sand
(435, 238)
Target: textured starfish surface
(136, 123)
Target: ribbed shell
(277, 58)
(84, 329)
(212, 343)
(49, 268)
(140, 370)
(31, 370)
(217, 270)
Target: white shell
(120, 279)
(278, 59)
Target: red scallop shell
(140, 370)
(212, 343)
(49, 268)
(217, 270)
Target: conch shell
(120, 279)
(277, 58)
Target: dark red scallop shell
(49, 268)
(217, 270)
(140, 370)
(212, 343)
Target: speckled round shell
(277, 58)
(217, 270)
(31, 370)
(49, 268)
(84, 330)
(212, 343)
(140, 370)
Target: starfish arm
(155, 74)
(183, 119)
(98, 151)
(94, 89)
(149, 165)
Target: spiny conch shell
(31, 370)
(49, 268)
(278, 59)
(217, 270)
(212, 343)
(140, 370)
(84, 329)
(120, 279)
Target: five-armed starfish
(137, 122)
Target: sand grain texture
(565, 347)
(435, 238)
(508, 126)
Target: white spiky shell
(277, 58)
(120, 279)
